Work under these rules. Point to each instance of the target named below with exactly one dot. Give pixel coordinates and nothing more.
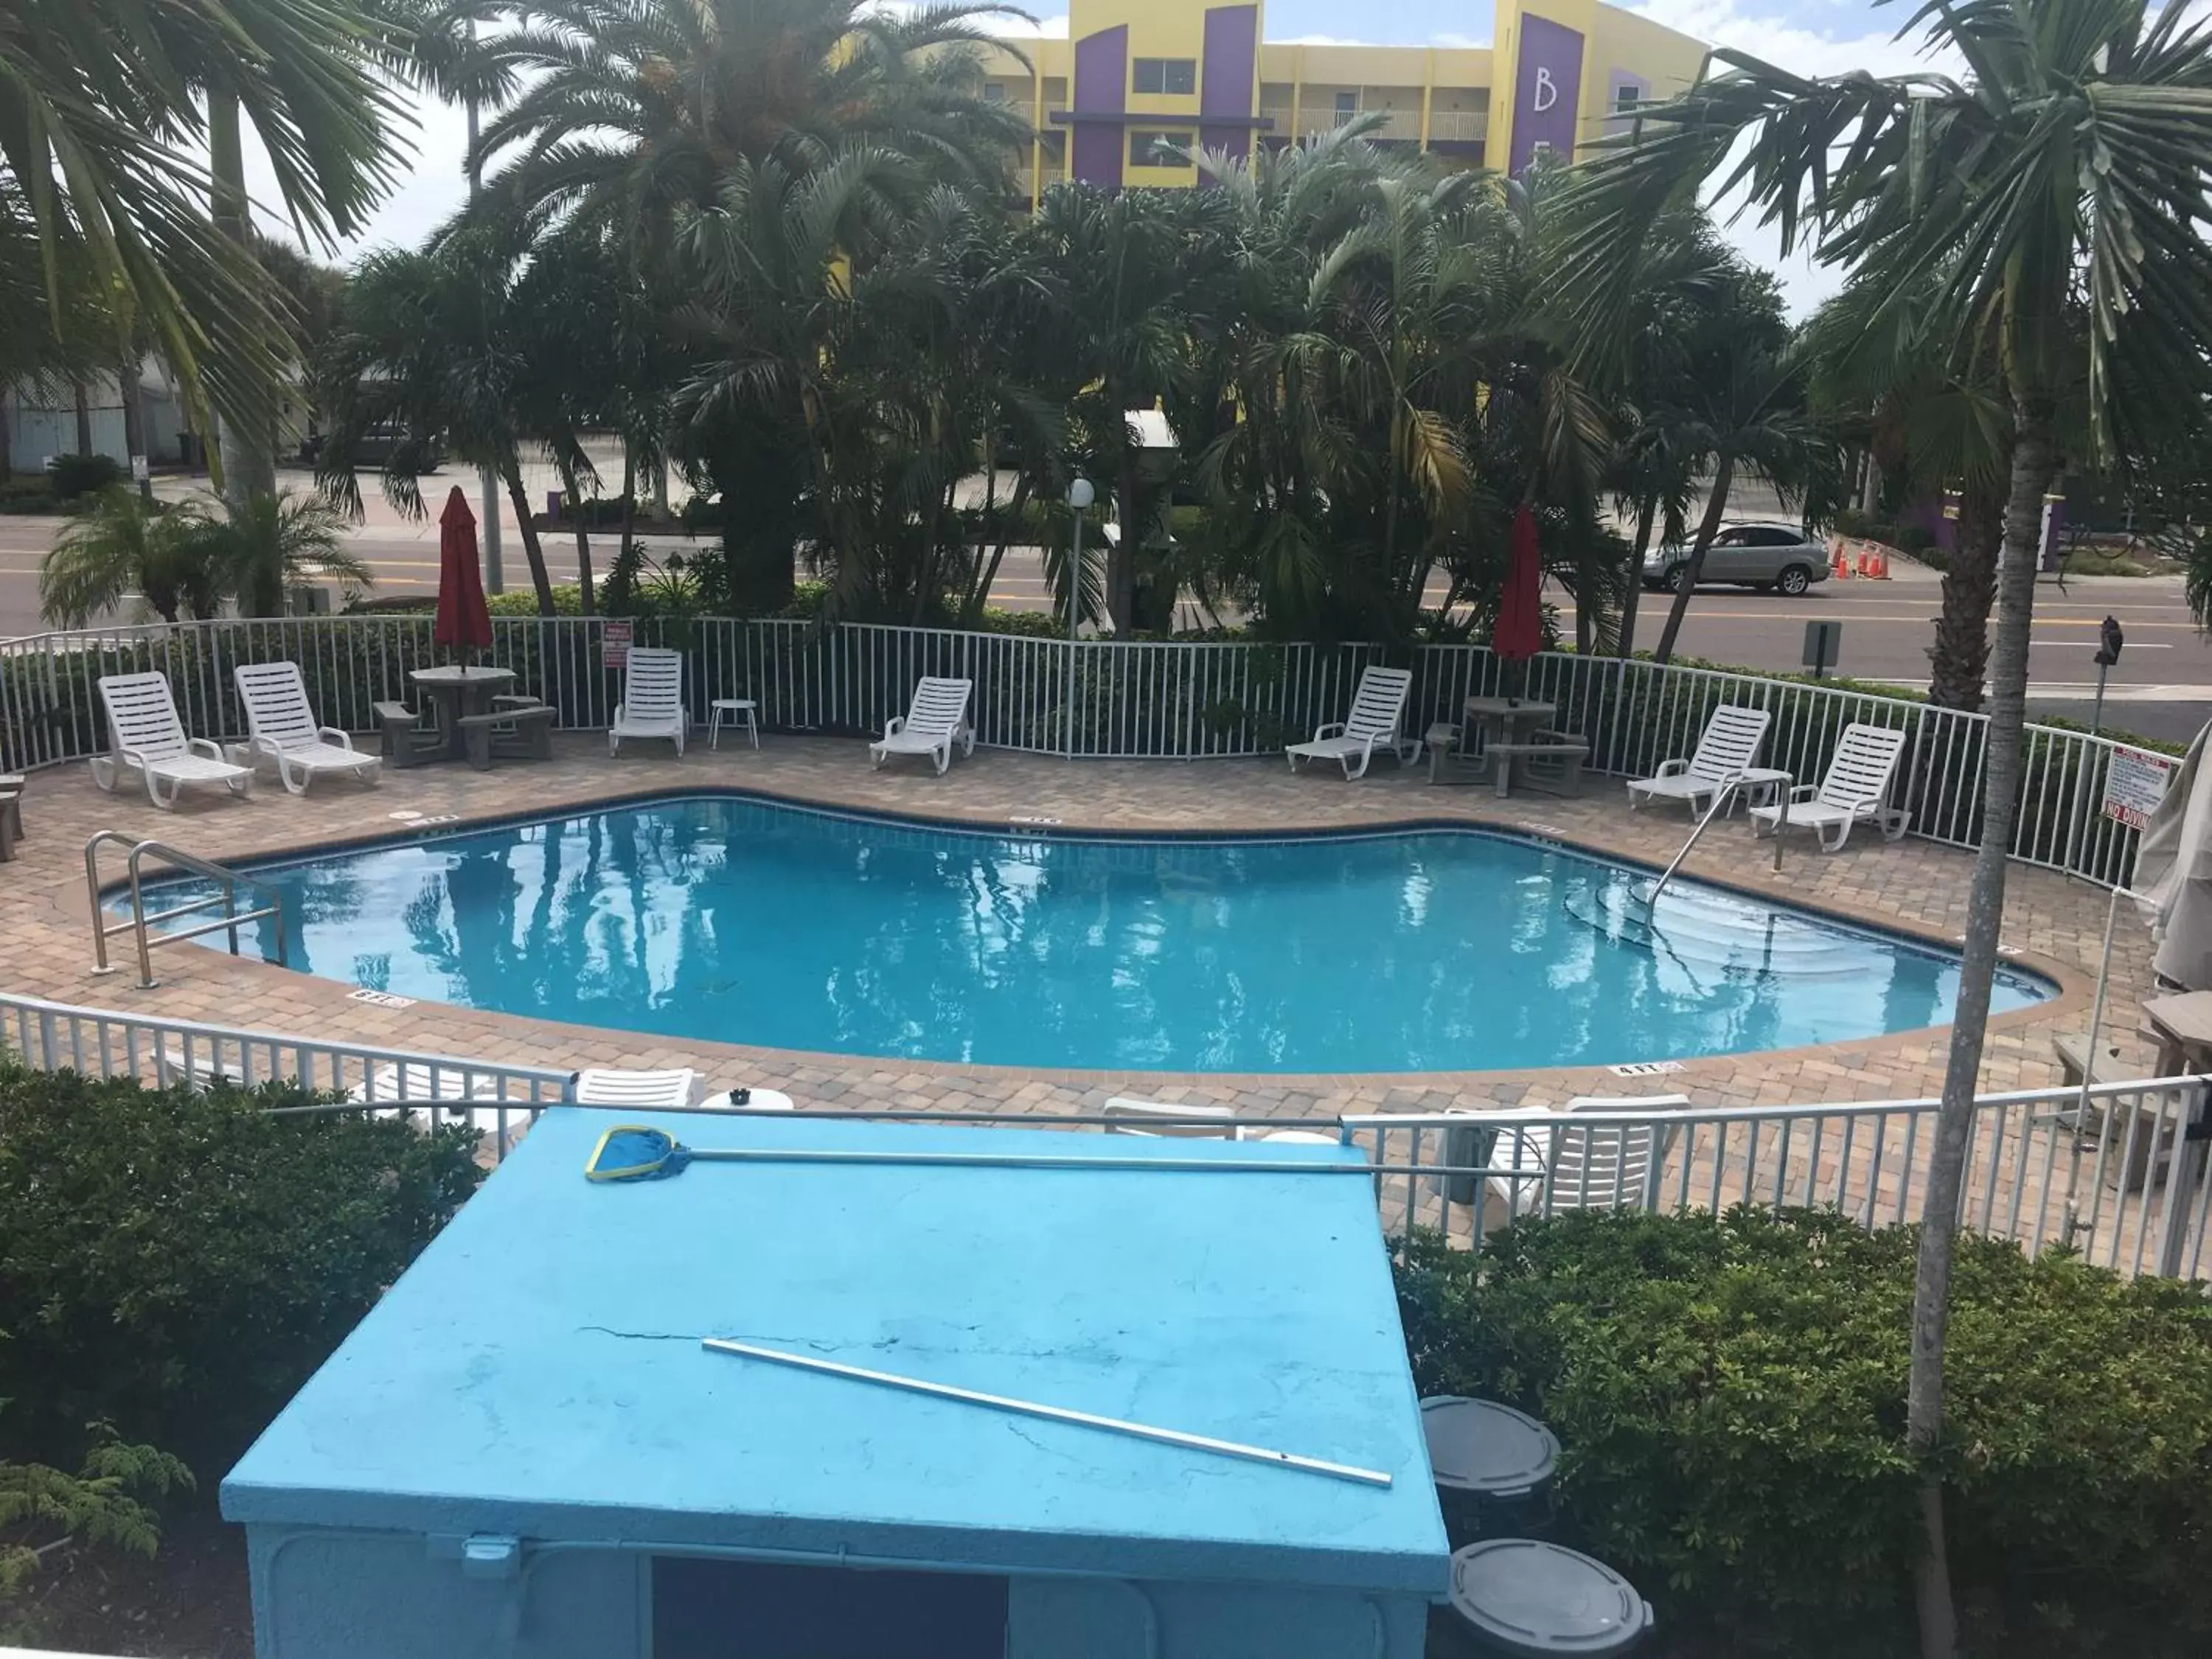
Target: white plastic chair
(1158, 1117)
(1856, 787)
(281, 726)
(418, 1085)
(1376, 709)
(653, 699)
(1583, 1166)
(1731, 742)
(933, 722)
(144, 731)
(609, 1086)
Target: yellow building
(1142, 84)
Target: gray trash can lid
(1526, 1596)
(1481, 1446)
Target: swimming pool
(745, 920)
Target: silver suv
(1755, 553)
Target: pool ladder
(139, 924)
(1722, 798)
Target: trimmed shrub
(34, 493)
(1729, 1394)
(177, 1264)
(72, 476)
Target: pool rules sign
(2135, 784)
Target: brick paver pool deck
(2053, 925)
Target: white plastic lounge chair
(606, 1087)
(1731, 742)
(422, 1086)
(185, 1064)
(1856, 787)
(933, 722)
(1586, 1167)
(1376, 709)
(280, 725)
(653, 699)
(144, 731)
(1159, 1117)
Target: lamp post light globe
(1080, 494)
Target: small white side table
(760, 1100)
(731, 711)
(1758, 785)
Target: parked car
(1766, 553)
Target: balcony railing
(1458, 126)
(1399, 125)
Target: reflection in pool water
(743, 921)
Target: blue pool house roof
(523, 1449)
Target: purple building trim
(1226, 77)
(1546, 88)
(1102, 88)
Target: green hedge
(1730, 1395)
(176, 1264)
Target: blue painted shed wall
(340, 1594)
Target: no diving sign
(2135, 783)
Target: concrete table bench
(11, 814)
(406, 740)
(517, 728)
(1549, 762)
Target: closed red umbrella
(1519, 632)
(464, 619)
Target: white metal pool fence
(1096, 699)
(2126, 1182)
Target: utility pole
(494, 576)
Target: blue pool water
(743, 922)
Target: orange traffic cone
(1842, 567)
(1881, 570)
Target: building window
(994, 93)
(1159, 150)
(1625, 99)
(1176, 76)
(1347, 105)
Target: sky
(1810, 37)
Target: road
(2162, 687)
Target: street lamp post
(1080, 494)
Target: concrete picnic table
(456, 691)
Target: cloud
(1474, 42)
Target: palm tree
(636, 119)
(1747, 414)
(271, 543)
(1875, 365)
(1133, 271)
(101, 142)
(186, 560)
(626, 110)
(431, 347)
(2057, 191)
(123, 546)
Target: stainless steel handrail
(139, 923)
(1722, 797)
